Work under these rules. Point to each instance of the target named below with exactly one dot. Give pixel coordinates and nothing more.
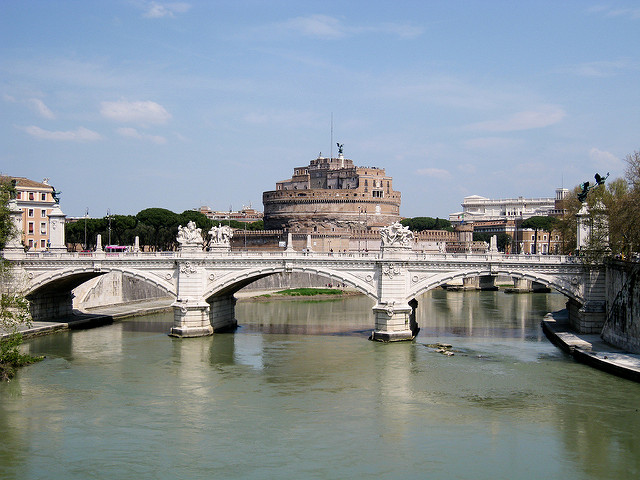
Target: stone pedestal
(289, 243)
(190, 319)
(14, 244)
(393, 323)
(57, 220)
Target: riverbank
(95, 317)
(590, 349)
(279, 295)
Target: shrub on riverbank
(308, 292)
(11, 358)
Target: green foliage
(259, 225)
(540, 223)
(199, 218)
(299, 292)
(165, 227)
(11, 358)
(156, 228)
(418, 224)
(546, 224)
(502, 239)
(14, 308)
(7, 229)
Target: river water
(299, 392)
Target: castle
(332, 195)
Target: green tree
(14, 308)
(502, 239)
(199, 218)
(418, 224)
(546, 224)
(122, 227)
(164, 224)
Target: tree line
(418, 224)
(156, 228)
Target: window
(43, 243)
(19, 195)
(533, 238)
(43, 214)
(31, 196)
(43, 228)
(30, 228)
(30, 213)
(43, 197)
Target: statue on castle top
(396, 235)
(189, 235)
(220, 235)
(340, 147)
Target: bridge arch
(74, 277)
(231, 283)
(50, 294)
(566, 285)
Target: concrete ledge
(191, 332)
(591, 350)
(402, 336)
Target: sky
(131, 104)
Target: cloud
(601, 69)
(607, 11)
(434, 173)
(605, 159)
(135, 112)
(161, 10)
(39, 106)
(322, 26)
(332, 28)
(133, 133)
(544, 116)
(80, 134)
(490, 143)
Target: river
(299, 392)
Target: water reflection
(127, 401)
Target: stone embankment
(590, 349)
(96, 317)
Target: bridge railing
(408, 256)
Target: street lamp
(109, 217)
(86, 214)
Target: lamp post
(86, 214)
(109, 217)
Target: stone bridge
(203, 283)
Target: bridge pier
(394, 322)
(190, 319)
(222, 313)
(51, 305)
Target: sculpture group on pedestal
(396, 235)
(191, 236)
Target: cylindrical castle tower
(332, 195)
